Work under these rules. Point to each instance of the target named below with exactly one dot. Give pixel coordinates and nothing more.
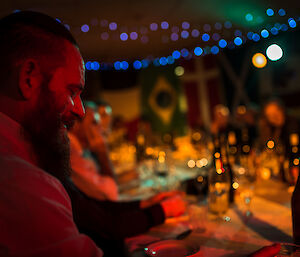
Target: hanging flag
(162, 100)
(203, 89)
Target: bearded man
(42, 76)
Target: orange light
(270, 144)
(200, 179)
(296, 162)
(191, 164)
(217, 155)
(259, 60)
(235, 185)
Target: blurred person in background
(275, 128)
(97, 211)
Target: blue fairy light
(163, 61)
(292, 23)
(176, 54)
(264, 33)
(227, 24)
(137, 64)
(184, 34)
(117, 65)
(185, 25)
(133, 35)
(216, 36)
(88, 65)
(195, 33)
(255, 37)
(184, 52)
(156, 62)
(170, 60)
(124, 36)
(238, 41)
(250, 35)
(124, 65)
(284, 27)
(238, 33)
(198, 51)
(95, 65)
(145, 63)
(205, 37)
(113, 26)
(164, 25)
(214, 50)
(218, 26)
(153, 26)
(270, 12)
(174, 36)
(274, 31)
(222, 43)
(281, 12)
(85, 28)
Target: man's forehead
(75, 63)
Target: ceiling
(134, 15)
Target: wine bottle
(219, 184)
(294, 158)
(227, 166)
(296, 212)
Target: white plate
(171, 248)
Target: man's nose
(78, 108)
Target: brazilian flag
(162, 100)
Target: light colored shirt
(35, 210)
(86, 176)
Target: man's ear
(30, 78)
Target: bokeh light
(113, 26)
(249, 17)
(164, 25)
(124, 36)
(264, 33)
(222, 43)
(85, 28)
(270, 12)
(274, 52)
(259, 60)
(238, 41)
(205, 37)
(179, 71)
(198, 51)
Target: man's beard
(43, 128)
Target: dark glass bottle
(233, 157)
(296, 212)
(293, 155)
(219, 183)
(140, 147)
(227, 165)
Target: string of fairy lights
(238, 40)
(210, 37)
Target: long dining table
(236, 233)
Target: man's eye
(73, 93)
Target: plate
(171, 248)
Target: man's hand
(173, 206)
(267, 251)
(158, 198)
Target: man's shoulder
(19, 173)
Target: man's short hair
(28, 34)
